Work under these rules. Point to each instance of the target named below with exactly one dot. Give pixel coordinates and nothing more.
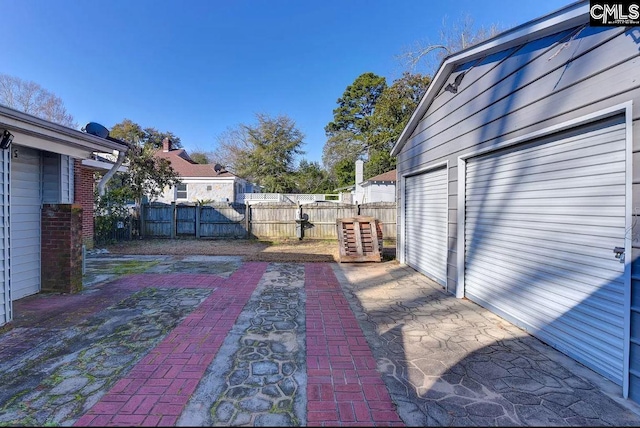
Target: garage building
(516, 185)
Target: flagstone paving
(258, 379)
(214, 341)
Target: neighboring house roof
(568, 17)
(183, 165)
(182, 154)
(389, 176)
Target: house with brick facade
(200, 182)
(44, 189)
(84, 189)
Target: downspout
(105, 178)
(98, 130)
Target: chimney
(166, 144)
(359, 193)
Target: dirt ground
(251, 250)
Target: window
(181, 191)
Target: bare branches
(412, 58)
(31, 98)
(232, 147)
(454, 37)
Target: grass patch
(133, 266)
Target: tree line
(366, 123)
(368, 119)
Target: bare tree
(200, 156)
(454, 37)
(31, 98)
(340, 146)
(232, 146)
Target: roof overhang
(31, 131)
(368, 182)
(568, 17)
(97, 164)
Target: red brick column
(84, 196)
(61, 254)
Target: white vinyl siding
(5, 261)
(380, 192)
(426, 223)
(58, 179)
(50, 178)
(515, 90)
(542, 220)
(66, 179)
(25, 222)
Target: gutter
(31, 125)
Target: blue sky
(198, 68)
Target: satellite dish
(96, 129)
(217, 167)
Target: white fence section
(292, 198)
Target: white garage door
(426, 223)
(542, 221)
(25, 222)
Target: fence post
(198, 207)
(130, 225)
(141, 224)
(174, 220)
(247, 218)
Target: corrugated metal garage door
(25, 222)
(542, 220)
(5, 295)
(426, 223)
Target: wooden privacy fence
(189, 220)
(264, 220)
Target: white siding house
(381, 188)
(519, 162)
(200, 182)
(36, 168)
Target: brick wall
(61, 257)
(84, 188)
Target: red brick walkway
(343, 386)
(159, 386)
